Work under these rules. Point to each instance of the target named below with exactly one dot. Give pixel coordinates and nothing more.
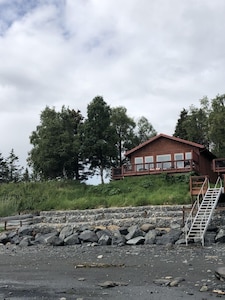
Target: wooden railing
(219, 165)
(175, 166)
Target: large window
(149, 162)
(164, 161)
(179, 160)
(188, 157)
(138, 163)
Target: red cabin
(168, 154)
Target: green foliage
(204, 125)
(124, 128)
(99, 136)
(193, 124)
(56, 145)
(62, 195)
(217, 125)
(145, 130)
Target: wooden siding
(200, 160)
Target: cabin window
(138, 163)
(179, 160)
(149, 162)
(164, 161)
(188, 157)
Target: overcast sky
(154, 57)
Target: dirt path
(77, 272)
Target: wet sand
(77, 272)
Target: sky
(153, 57)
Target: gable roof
(176, 139)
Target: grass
(64, 195)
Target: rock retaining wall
(160, 225)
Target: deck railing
(175, 166)
(219, 165)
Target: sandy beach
(107, 272)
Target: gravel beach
(106, 272)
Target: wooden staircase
(202, 210)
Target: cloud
(153, 57)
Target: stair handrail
(195, 206)
(218, 182)
(203, 188)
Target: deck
(219, 165)
(172, 167)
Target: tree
(99, 137)
(14, 170)
(193, 125)
(3, 169)
(56, 145)
(217, 125)
(124, 128)
(145, 130)
(181, 130)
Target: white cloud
(153, 57)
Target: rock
(88, 236)
(56, 241)
(26, 241)
(210, 237)
(169, 238)
(105, 239)
(4, 238)
(25, 230)
(176, 281)
(204, 288)
(123, 230)
(134, 231)
(139, 240)
(118, 239)
(220, 273)
(150, 237)
(220, 237)
(65, 232)
(72, 239)
(109, 284)
(146, 227)
(46, 238)
(162, 281)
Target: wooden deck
(219, 165)
(171, 167)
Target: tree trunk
(101, 174)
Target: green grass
(64, 195)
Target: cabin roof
(176, 139)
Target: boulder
(134, 231)
(26, 241)
(150, 237)
(146, 227)
(72, 239)
(220, 237)
(105, 239)
(46, 238)
(25, 230)
(139, 240)
(4, 238)
(169, 238)
(118, 239)
(88, 236)
(65, 232)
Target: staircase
(201, 213)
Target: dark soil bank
(107, 272)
